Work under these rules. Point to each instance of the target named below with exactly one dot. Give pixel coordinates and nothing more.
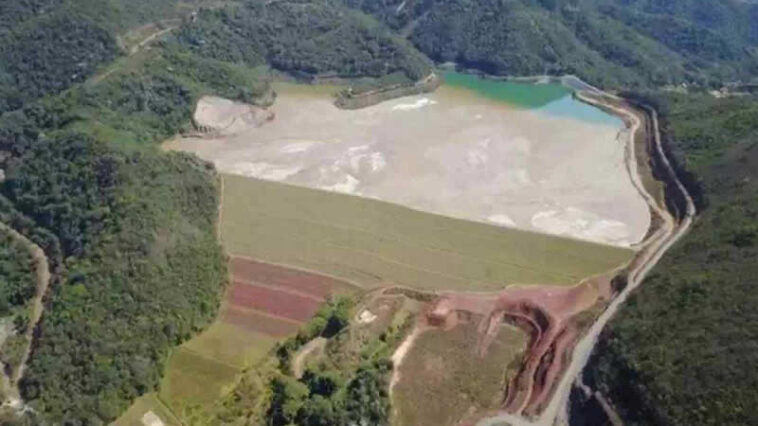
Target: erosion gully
(669, 233)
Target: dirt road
(556, 412)
(43, 281)
(136, 48)
(298, 363)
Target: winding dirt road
(42, 272)
(670, 232)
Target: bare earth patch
(444, 379)
(225, 117)
(450, 152)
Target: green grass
(442, 378)
(192, 380)
(374, 243)
(145, 403)
(231, 345)
(203, 369)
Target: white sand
(450, 152)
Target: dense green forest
(142, 270)
(17, 288)
(612, 43)
(17, 278)
(347, 385)
(682, 350)
(335, 391)
(46, 46)
(305, 39)
(130, 230)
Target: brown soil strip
(259, 322)
(284, 289)
(272, 301)
(315, 285)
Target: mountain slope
(607, 42)
(140, 269)
(681, 352)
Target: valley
(348, 212)
(517, 155)
(285, 202)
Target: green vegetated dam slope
(130, 231)
(374, 243)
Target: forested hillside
(683, 349)
(133, 228)
(306, 39)
(18, 282)
(47, 46)
(606, 42)
(130, 231)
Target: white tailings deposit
(451, 152)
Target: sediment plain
(551, 169)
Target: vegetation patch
(374, 243)
(252, 320)
(18, 282)
(443, 378)
(193, 380)
(344, 381)
(677, 353)
(148, 403)
(17, 274)
(230, 344)
(613, 43)
(308, 39)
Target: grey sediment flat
(451, 152)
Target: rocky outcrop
(222, 117)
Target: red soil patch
(275, 302)
(548, 314)
(278, 276)
(258, 322)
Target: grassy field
(374, 243)
(148, 402)
(442, 379)
(231, 345)
(199, 372)
(193, 380)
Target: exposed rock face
(225, 118)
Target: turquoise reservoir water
(548, 98)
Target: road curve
(42, 273)
(670, 233)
